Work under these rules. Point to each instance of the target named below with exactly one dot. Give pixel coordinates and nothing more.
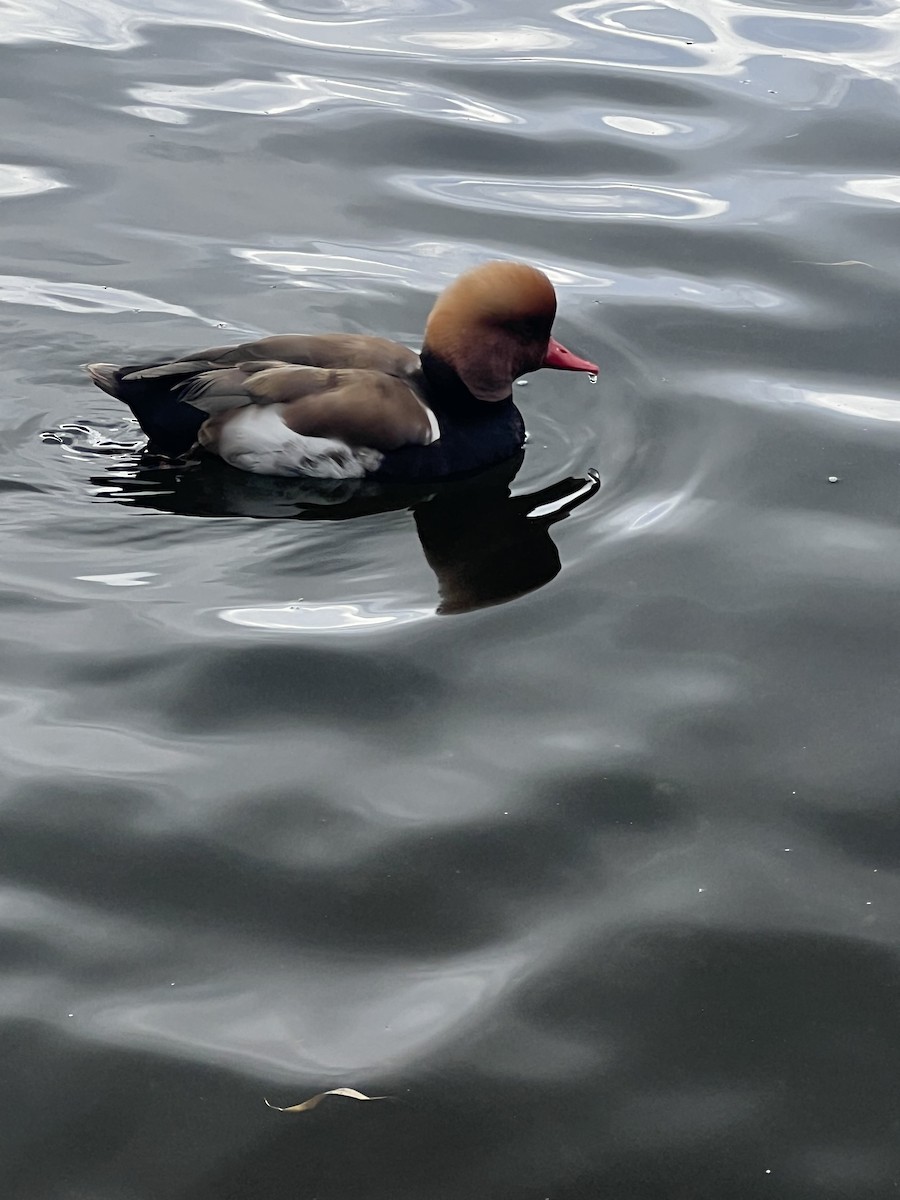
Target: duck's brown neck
(447, 391)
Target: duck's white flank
(256, 439)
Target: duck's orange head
(493, 324)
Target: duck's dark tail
(153, 393)
(104, 375)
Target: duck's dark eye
(530, 330)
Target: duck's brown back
(333, 351)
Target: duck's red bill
(561, 359)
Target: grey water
(565, 817)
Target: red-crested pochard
(345, 405)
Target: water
(576, 832)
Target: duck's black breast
(475, 434)
(467, 443)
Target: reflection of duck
(484, 545)
(342, 406)
(487, 547)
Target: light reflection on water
(319, 618)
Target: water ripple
(114, 26)
(645, 36)
(653, 22)
(72, 297)
(573, 199)
(297, 93)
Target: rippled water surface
(566, 818)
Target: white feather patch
(256, 439)
(433, 424)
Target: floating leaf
(314, 1101)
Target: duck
(353, 406)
